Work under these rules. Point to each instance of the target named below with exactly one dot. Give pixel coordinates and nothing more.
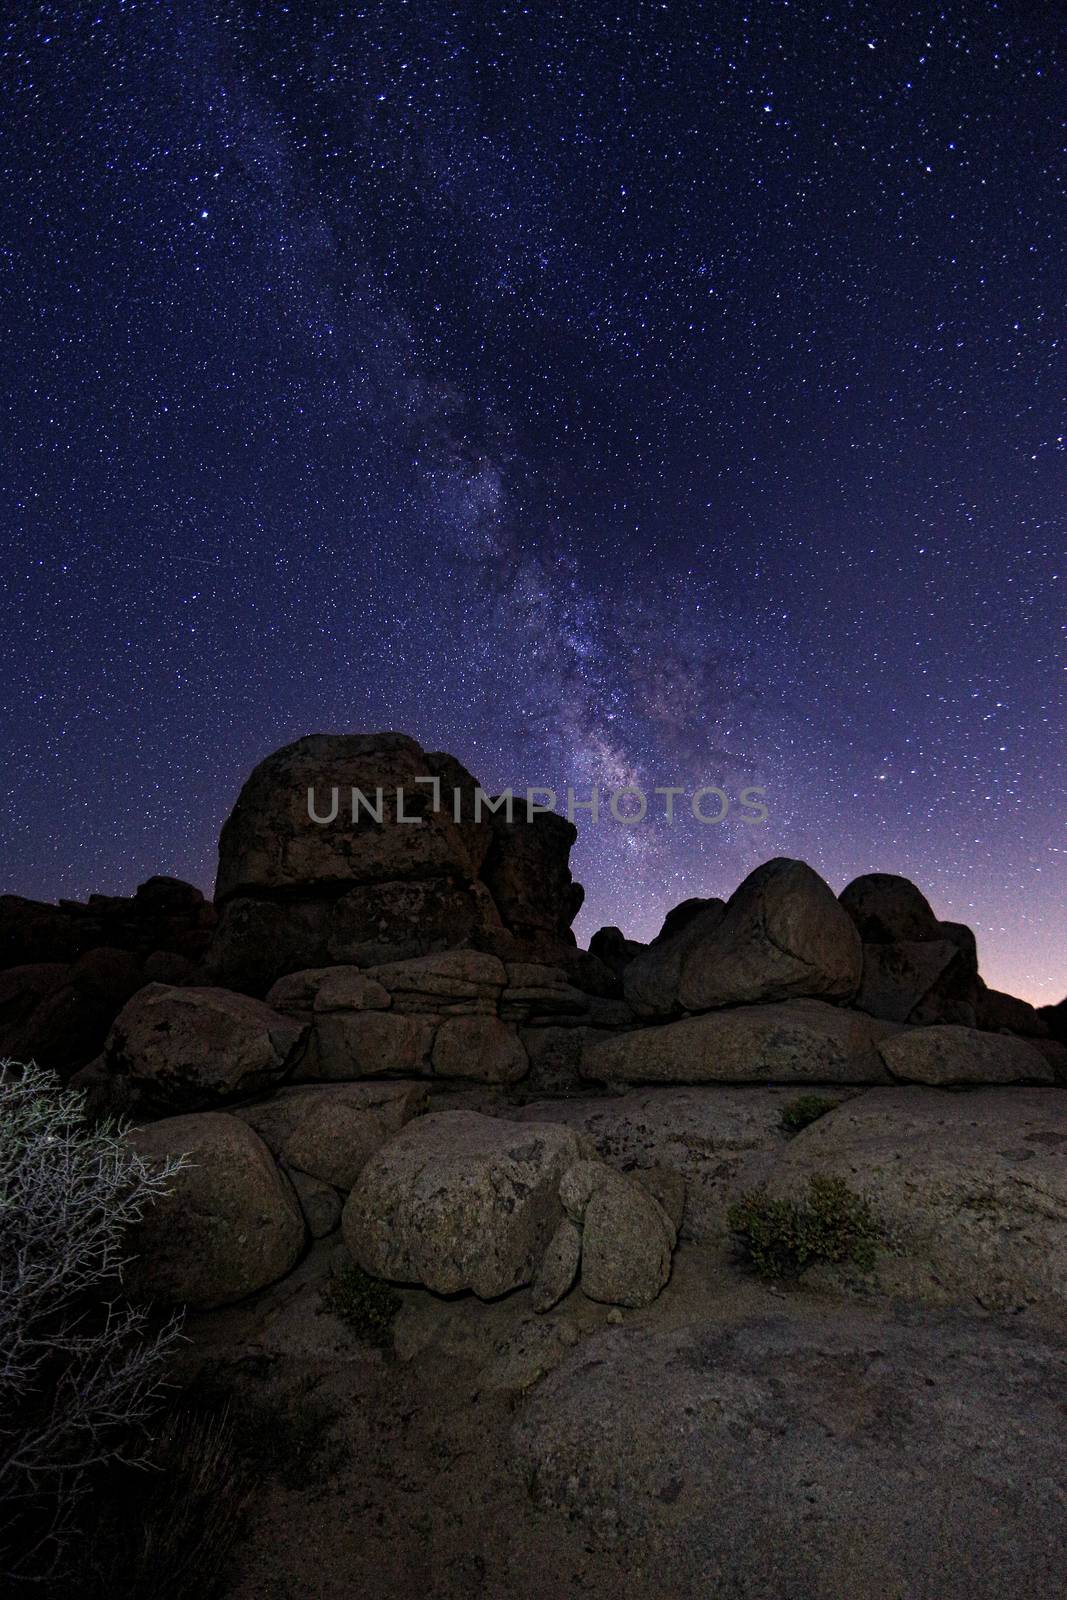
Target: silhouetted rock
(610, 946)
(681, 915)
(889, 910)
(651, 980)
(999, 1011)
(1055, 1019)
(783, 935)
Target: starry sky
(644, 393)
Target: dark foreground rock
(822, 1458)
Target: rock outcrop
(391, 875)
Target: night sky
(666, 394)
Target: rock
(188, 1048)
(364, 1044)
(334, 1141)
(716, 1137)
(798, 1041)
(257, 942)
(386, 922)
(340, 988)
(627, 1240)
(58, 1014)
(611, 946)
(889, 910)
(319, 1201)
(559, 1266)
(167, 966)
(1055, 1053)
(526, 871)
(576, 1188)
(948, 1056)
(458, 1201)
(482, 1048)
(1055, 1020)
(650, 982)
(666, 1186)
(164, 915)
(973, 1186)
(230, 1223)
(783, 935)
(269, 841)
(280, 1119)
(463, 980)
(542, 993)
(898, 977)
(681, 915)
(997, 1011)
(817, 1456)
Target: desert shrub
(782, 1237)
(804, 1110)
(367, 1305)
(80, 1368)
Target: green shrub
(781, 1238)
(804, 1110)
(367, 1305)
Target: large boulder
(783, 935)
(366, 1044)
(898, 978)
(809, 1453)
(181, 1049)
(950, 1056)
(527, 873)
(650, 981)
(460, 1201)
(888, 909)
(384, 922)
(482, 1048)
(972, 1188)
(998, 1011)
(798, 1041)
(309, 1125)
(229, 1223)
(627, 1236)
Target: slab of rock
(949, 1056)
(457, 980)
(364, 1044)
(817, 1456)
(888, 909)
(798, 1041)
(559, 1266)
(376, 923)
(783, 935)
(338, 988)
(715, 1136)
(256, 942)
(230, 1223)
(482, 1048)
(460, 1201)
(973, 1185)
(536, 992)
(187, 1048)
(650, 982)
(527, 872)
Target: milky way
(648, 394)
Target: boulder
(627, 1240)
(559, 1266)
(319, 1201)
(998, 1012)
(679, 916)
(459, 1201)
(611, 946)
(889, 910)
(230, 1222)
(180, 1049)
(455, 981)
(257, 942)
(806, 1453)
(527, 873)
(364, 1044)
(482, 1048)
(396, 921)
(948, 1056)
(269, 842)
(972, 1187)
(58, 1014)
(340, 988)
(783, 935)
(798, 1041)
(1055, 1020)
(650, 982)
(898, 977)
(288, 1120)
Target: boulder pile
(385, 1027)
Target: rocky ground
(862, 1436)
